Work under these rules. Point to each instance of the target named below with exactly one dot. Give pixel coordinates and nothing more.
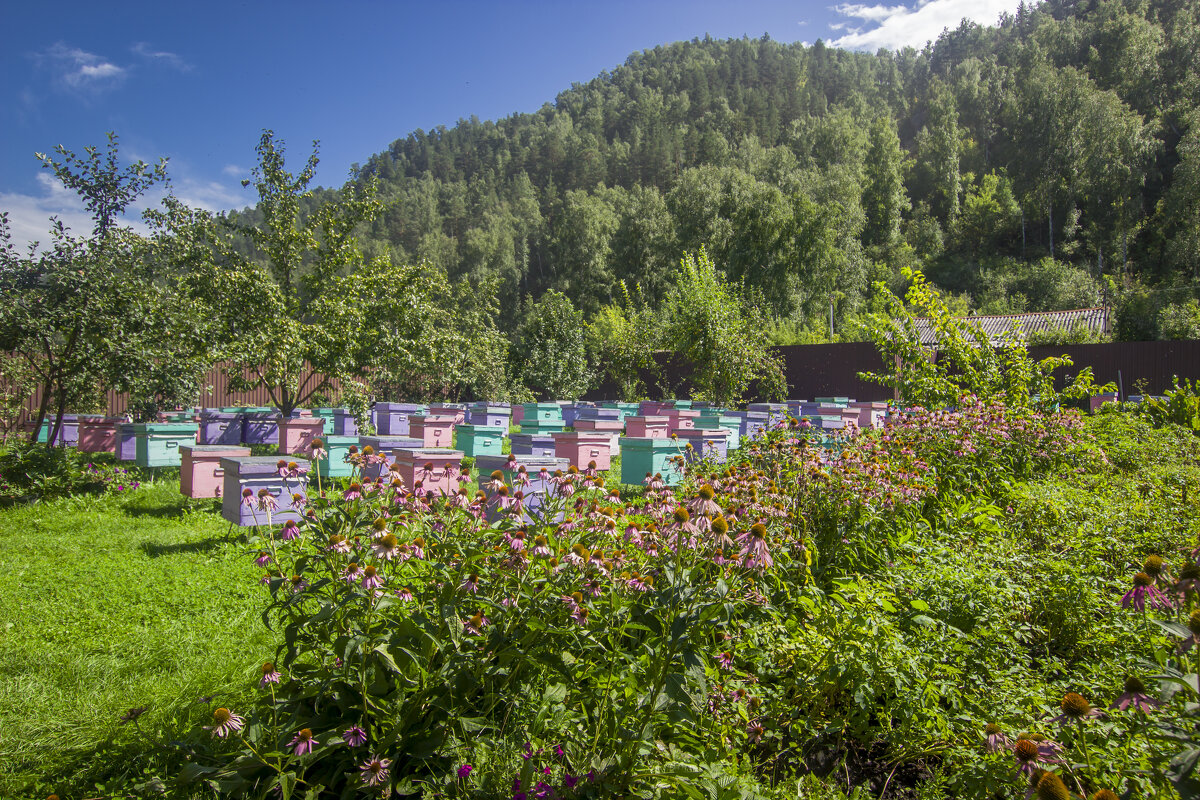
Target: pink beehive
(458, 412)
(682, 419)
(98, 434)
(609, 427)
(200, 473)
(647, 427)
(437, 469)
(435, 430)
(297, 433)
(871, 412)
(654, 408)
(581, 448)
(518, 413)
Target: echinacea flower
(225, 722)
(1189, 578)
(1135, 695)
(353, 491)
(1076, 708)
(476, 623)
(338, 544)
(281, 466)
(374, 771)
(371, 579)
(1144, 591)
(1050, 787)
(386, 546)
(1030, 753)
(1104, 794)
(996, 740)
(248, 498)
(725, 660)
(755, 554)
(353, 573)
(290, 531)
(302, 742)
(263, 558)
(354, 736)
(269, 674)
(266, 500)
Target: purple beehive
(572, 411)
(532, 444)
(750, 423)
(391, 419)
(490, 415)
(344, 423)
(655, 408)
(220, 427)
(533, 493)
(705, 443)
(126, 442)
(518, 413)
(257, 473)
(596, 412)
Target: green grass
(107, 603)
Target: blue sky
(197, 82)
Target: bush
(31, 471)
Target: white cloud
(146, 51)
(235, 171)
(80, 71)
(894, 27)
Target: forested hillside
(1050, 162)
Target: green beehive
(542, 412)
(731, 424)
(158, 442)
(479, 440)
(537, 426)
(326, 414)
(682, 403)
(334, 465)
(639, 456)
(832, 401)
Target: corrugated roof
(996, 326)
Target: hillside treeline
(1052, 161)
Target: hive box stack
(681, 419)
(200, 472)
(334, 465)
(220, 428)
(725, 422)
(256, 473)
(386, 446)
(777, 413)
(490, 415)
(711, 443)
(259, 426)
(751, 423)
(434, 430)
(97, 434)
(480, 440)
(537, 489)
(391, 419)
(581, 449)
(612, 428)
(647, 427)
(456, 411)
(532, 444)
(296, 434)
(542, 418)
(159, 443)
(412, 464)
(68, 432)
(641, 455)
(344, 423)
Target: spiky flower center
(991, 729)
(1075, 705)
(368, 450)
(1025, 750)
(1142, 579)
(720, 525)
(268, 668)
(388, 540)
(1051, 787)
(1134, 685)
(281, 464)
(304, 734)
(706, 492)
(1153, 566)
(222, 715)
(758, 530)
(1104, 794)
(1189, 572)
(370, 571)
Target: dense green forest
(1051, 161)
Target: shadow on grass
(174, 508)
(207, 545)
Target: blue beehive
(256, 473)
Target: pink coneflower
(338, 544)
(386, 546)
(1144, 592)
(1076, 708)
(580, 615)
(316, 449)
(476, 623)
(426, 473)
(573, 601)
(754, 731)
(248, 498)
(290, 531)
(354, 736)
(566, 486)
(1135, 696)
(515, 540)
(225, 722)
(541, 547)
(353, 573)
(281, 466)
(460, 499)
(353, 491)
(725, 660)
(302, 742)
(755, 554)
(471, 583)
(266, 500)
(371, 579)
(269, 674)
(263, 559)
(640, 583)
(300, 500)
(418, 547)
(404, 594)
(1189, 579)
(1030, 753)
(521, 478)
(996, 740)
(703, 504)
(374, 771)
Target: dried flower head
(1153, 566)
(1051, 787)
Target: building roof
(998, 326)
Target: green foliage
(621, 340)
(549, 350)
(962, 361)
(30, 471)
(16, 385)
(720, 335)
(1180, 320)
(1180, 406)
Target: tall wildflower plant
(963, 360)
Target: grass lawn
(109, 603)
